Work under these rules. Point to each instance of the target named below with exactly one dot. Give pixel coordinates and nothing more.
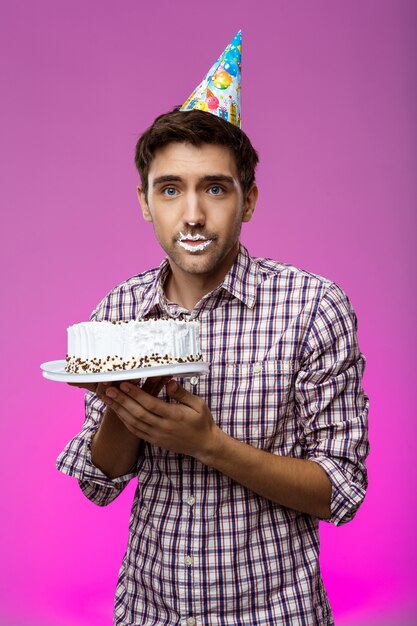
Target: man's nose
(193, 210)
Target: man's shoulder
(144, 279)
(271, 269)
(125, 299)
(299, 285)
(296, 289)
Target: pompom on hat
(219, 91)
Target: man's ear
(147, 216)
(250, 202)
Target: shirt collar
(240, 281)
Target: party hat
(219, 91)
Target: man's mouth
(193, 243)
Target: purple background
(329, 100)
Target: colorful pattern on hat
(219, 91)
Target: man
(235, 469)
(234, 472)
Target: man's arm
(187, 427)
(114, 449)
(75, 459)
(298, 484)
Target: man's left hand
(185, 426)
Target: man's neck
(187, 289)
(186, 293)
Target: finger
(139, 430)
(156, 406)
(131, 404)
(181, 395)
(131, 413)
(134, 426)
(100, 390)
(148, 385)
(154, 385)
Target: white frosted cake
(95, 347)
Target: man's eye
(169, 191)
(216, 190)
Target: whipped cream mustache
(183, 239)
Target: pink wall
(329, 100)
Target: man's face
(196, 204)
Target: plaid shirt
(285, 376)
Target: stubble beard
(203, 262)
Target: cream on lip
(182, 241)
(197, 248)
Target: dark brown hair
(196, 128)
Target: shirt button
(188, 560)
(191, 500)
(194, 382)
(190, 621)
(257, 368)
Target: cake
(95, 347)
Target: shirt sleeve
(332, 406)
(75, 459)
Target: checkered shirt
(285, 376)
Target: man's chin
(197, 265)
(198, 262)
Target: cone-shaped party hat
(219, 91)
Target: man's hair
(196, 128)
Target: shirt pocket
(255, 399)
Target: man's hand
(185, 426)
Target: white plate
(55, 370)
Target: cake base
(76, 365)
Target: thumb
(178, 393)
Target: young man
(235, 469)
